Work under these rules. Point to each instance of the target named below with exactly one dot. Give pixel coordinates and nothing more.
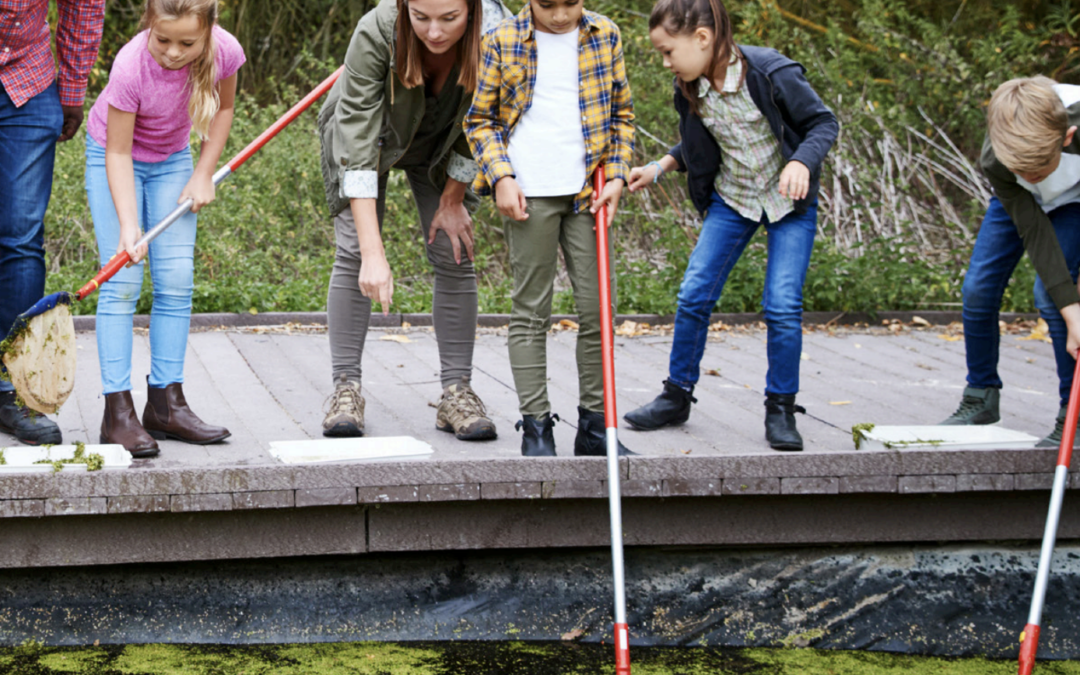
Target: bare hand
(609, 197)
(376, 281)
(128, 237)
(510, 199)
(795, 181)
(642, 177)
(73, 117)
(454, 219)
(200, 190)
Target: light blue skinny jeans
(171, 257)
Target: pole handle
(607, 346)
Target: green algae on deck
(490, 658)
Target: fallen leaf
(565, 324)
(1039, 332)
(839, 402)
(406, 324)
(396, 338)
(951, 338)
(686, 452)
(573, 635)
(919, 321)
(713, 371)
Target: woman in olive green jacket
(410, 71)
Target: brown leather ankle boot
(120, 425)
(167, 415)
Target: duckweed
(491, 658)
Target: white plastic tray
(20, 459)
(977, 437)
(368, 449)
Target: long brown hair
(204, 102)
(683, 17)
(407, 60)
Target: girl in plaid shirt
(754, 136)
(552, 104)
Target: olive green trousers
(534, 257)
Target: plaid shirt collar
(731, 81)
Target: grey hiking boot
(979, 406)
(1054, 439)
(345, 410)
(462, 412)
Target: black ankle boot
(669, 408)
(591, 439)
(537, 439)
(780, 428)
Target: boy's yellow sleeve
(485, 130)
(622, 117)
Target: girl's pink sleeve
(230, 53)
(124, 90)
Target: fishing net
(39, 354)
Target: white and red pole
(611, 436)
(1029, 639)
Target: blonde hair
(408, 59)
(1027, 123)
(202, 77)
(683, 17)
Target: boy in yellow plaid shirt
(553, 103)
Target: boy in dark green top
(1032, 159)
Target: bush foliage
(899, 209)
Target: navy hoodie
(805, 128)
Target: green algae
(93, 461)
(491, 658)
(859, 431)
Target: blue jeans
(157, 187)
(27, 149)
(724, 237)
(998, 250)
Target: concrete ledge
(147, 515)
(481, 525)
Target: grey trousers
(454, 305)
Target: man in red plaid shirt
(40, 104)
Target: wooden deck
(271, 384)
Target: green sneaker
(979, 406)
(1054, 439)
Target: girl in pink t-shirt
(178, 74)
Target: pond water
(481, 658)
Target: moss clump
(2, 460)
(859, 431)
(93, 461)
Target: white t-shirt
(547, 146)
(1063, 186)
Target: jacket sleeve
(676, 150)
(360, 109)
(621, 153)
(483, 127)
(1035, 228)
(804, 110)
